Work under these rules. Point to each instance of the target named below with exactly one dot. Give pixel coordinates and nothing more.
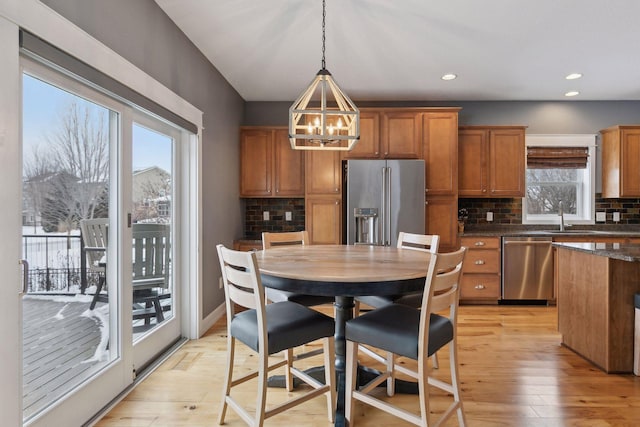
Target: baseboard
(211, 319)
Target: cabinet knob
(426, 190)
(479, 287)
(479, 243)
(426, 203)
(484, 190)
(376, 153)
(479, 262)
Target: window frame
(586, 208)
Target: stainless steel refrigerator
(382, 198)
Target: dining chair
(270, 240)
(415, 334)
(412, 241)
(268, 329)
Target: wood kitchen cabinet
(440, 154)
(481, 270)
(269, 167)
(491, 161)
(323, 198)
(621, 161)
(323, 216)
(388, 134)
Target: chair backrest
(286, 238)
(441, 291)
(242, 283)
(151, 256)
(420, 242)
(94, 237)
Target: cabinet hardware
(479, 287)
(479, 243)
(479, 262)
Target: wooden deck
(59, 349)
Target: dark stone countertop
(621, 251)
(550, 231)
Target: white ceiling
(269, 50)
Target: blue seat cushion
(276, 295)
(395, 328)
(288, 325)
(411, 300)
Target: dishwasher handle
(525, 243)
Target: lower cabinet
(481, 270)
(323, 220)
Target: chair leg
(434, 360)
(350, 380)
(423, 391)
(330, 376)
(288, 376)
(226, 390)
(391, 369)
(97, 294)
(455, 381)
(356, 308)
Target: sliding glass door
(99, 243)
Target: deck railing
(57, 263)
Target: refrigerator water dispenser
(366, 226)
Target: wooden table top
(343, 263)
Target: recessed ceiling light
(572, 93)
(573, 76)
(449, 77)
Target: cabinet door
(323, 172)
(368, 147)
(440, 152)
(630, 160)
(472, 163)
(289, 167)
(256, 163)
(401, 135)
(323, 220)
(506, 163)
(441, 218)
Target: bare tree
(67, 179)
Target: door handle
(25, 275)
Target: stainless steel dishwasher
(527, 268)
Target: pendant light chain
(324, 15)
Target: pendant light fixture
(323, 117)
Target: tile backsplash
(509, 211)
(254, 223)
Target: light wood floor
(514, 373)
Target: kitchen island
(596, 283)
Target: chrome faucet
(561, 214)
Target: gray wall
(141, 32)
(557, 117)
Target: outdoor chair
(94, 238)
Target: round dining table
(343, 272)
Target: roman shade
(557, 157)
(42, 51)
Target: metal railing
(57, 263)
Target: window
(560, 168)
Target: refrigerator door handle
(382, 234)
(387, 213)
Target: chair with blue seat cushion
(270, 240)
(268, 329)
(415, 334)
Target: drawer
(480, 242)
(480, 286)
(482, 261)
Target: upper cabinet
(269, 167)
(388, 134)
(491, 161)
(621, 161)
(440, 154)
